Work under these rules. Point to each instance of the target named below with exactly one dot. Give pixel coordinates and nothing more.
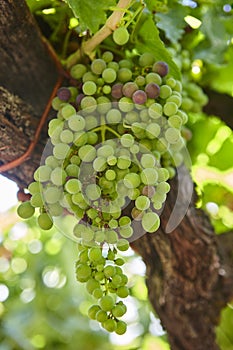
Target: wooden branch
(185, 279)
(111, 24)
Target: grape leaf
(149, 41)
(173, 23)
(90, 14)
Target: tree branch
(111, 24)
(186, 283)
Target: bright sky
(8, 194)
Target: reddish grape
(152, 90)
(129, 88)
(161, 68)
(79, 99)
(139, 97)
(63, 94)
(117, 90)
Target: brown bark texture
(189, 270)
(27, 77)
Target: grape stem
(103, 129)
(111, 24)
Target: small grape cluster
(117, 138)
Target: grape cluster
(117, 138)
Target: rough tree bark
(27, 77)
(189, 271)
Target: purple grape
(148, 191)
(117, 91)
(152, 90)
(79, 99)
(161, 68)
(129, 88)
(63, 94)
(139, 97)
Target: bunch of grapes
(115, 143)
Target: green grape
(73, 186)
(91, 285)
(36, 200)
(93, 192)
(148, 161)
(98, 65)
(122, 292)
(142, 203)
(95, 254)
(105, 151)
(175, 121)
(92, 311)
(76, 122)
(101, 316)
(124, 75)
(126, 232)
(67, 111)
(127, 140)
(92, 137)
(155, 111)
(123, 162)
(132, 180)
(124, 220)
(80, 138)
(52, 194)
(111, 237)
(25, 210)
(119, 261)
(87, 234)
(109, 75)
(55, 126)
(163, 174)
(58, 176)
(107, 303)
(66, 136)
(83, 272)
(89, 88)
(89, 104)
(61, 150)
(55, 209)
(75, 159)
(109, 271)
(42, 174)
(140, 80)
(122, 244)
(137, 214)
(163, 187)
(176, 99)
(114, 65)
(72, 170)
(87, 153)
(111, 160)
(97, 293)
(153, 78)
(150, 222)
(132, 117)
(165, 91)
(120, 36)
(104, 104)
(121, 328)
(52, 162)
(110, 175)
(106, 89)
(89, 76)
(77, 71)
(118, 310)
(172, 135)
(92, 213)
(34, 187)
(153, 130)
(170, 108)
(107, 56)
(149, 176)
(110, 325)
(146, 59)
(44, 221)
(113, 116)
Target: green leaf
(90, 14)
(173, 23)
(149, 41)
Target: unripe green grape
(67, 111)
(163, 187)
(172, 135)
(111, 237)
(110, 325)
(77, 71)
(150, 222)
(104, 104)
(36, 200)
(163, 174)
(165, 91)
(72, 170)
(124, 220)
(99, 164)
(140, 80)
(98, 65)
(106, 89)
(89, 104)
(83, 258)
(91, 285)
(55, 125)
(76, 122)
(107, 303)
(101, 316)
(89, 88)
(122, 244)
(121, 328)
(25, 210)
(44, 221)
(123, 162)
(42, 174)
(142, 203)
(120, 36)
(52, 162)
(73, 186)
(113, 116)
(99, 276)
(127, 140)
(89, 76)
(52, 194)
(87, 234)
(124, 75)
(83, 272)
(105, 151)
(58, 176)
(110, 175)
(149, 176)
(153, 78)
(92, 312)
(148, 161)
(61, 150)
(66, 136)
(122, 292)
(93, 192)
(109, 271)
(176, 99)
(107, 56)
(92, 137)
(34, 187)
(95, 254)
(146, 59)
(119, 310)
(119, 261)
(155, 111)
(126, 231)
(109, 75)
(132, 180)
(153, 131)
(87, 153)
(111, 255)
(111, 160)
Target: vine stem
(111, 24)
